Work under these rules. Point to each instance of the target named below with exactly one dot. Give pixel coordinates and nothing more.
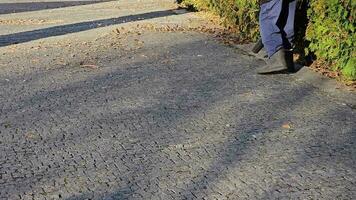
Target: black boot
(259, 50)
(257, 47)
(281, 61)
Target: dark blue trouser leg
(277, 25)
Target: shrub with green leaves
(330, 32)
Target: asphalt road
(112, 104)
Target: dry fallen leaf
(287, 126)
(30, 135)
(117, 31)
(91, 66)
(36, 60)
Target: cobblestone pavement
(164, 115)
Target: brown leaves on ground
(89, 64)
(227, 36)
(28, 21)
(323, 68)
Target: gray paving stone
(181, 117)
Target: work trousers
(277, 25)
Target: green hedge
(330, 32)
(242, 15)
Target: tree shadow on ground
(117, 80)
(241, 148)
(178, 94)
(235, 151)
(7, 8)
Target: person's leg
(270, 33)
(289, 28)
(286, 22)
(274, 21)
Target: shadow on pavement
(255, 128)
(7, 8)
(27, 36)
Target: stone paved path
(143, 113)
